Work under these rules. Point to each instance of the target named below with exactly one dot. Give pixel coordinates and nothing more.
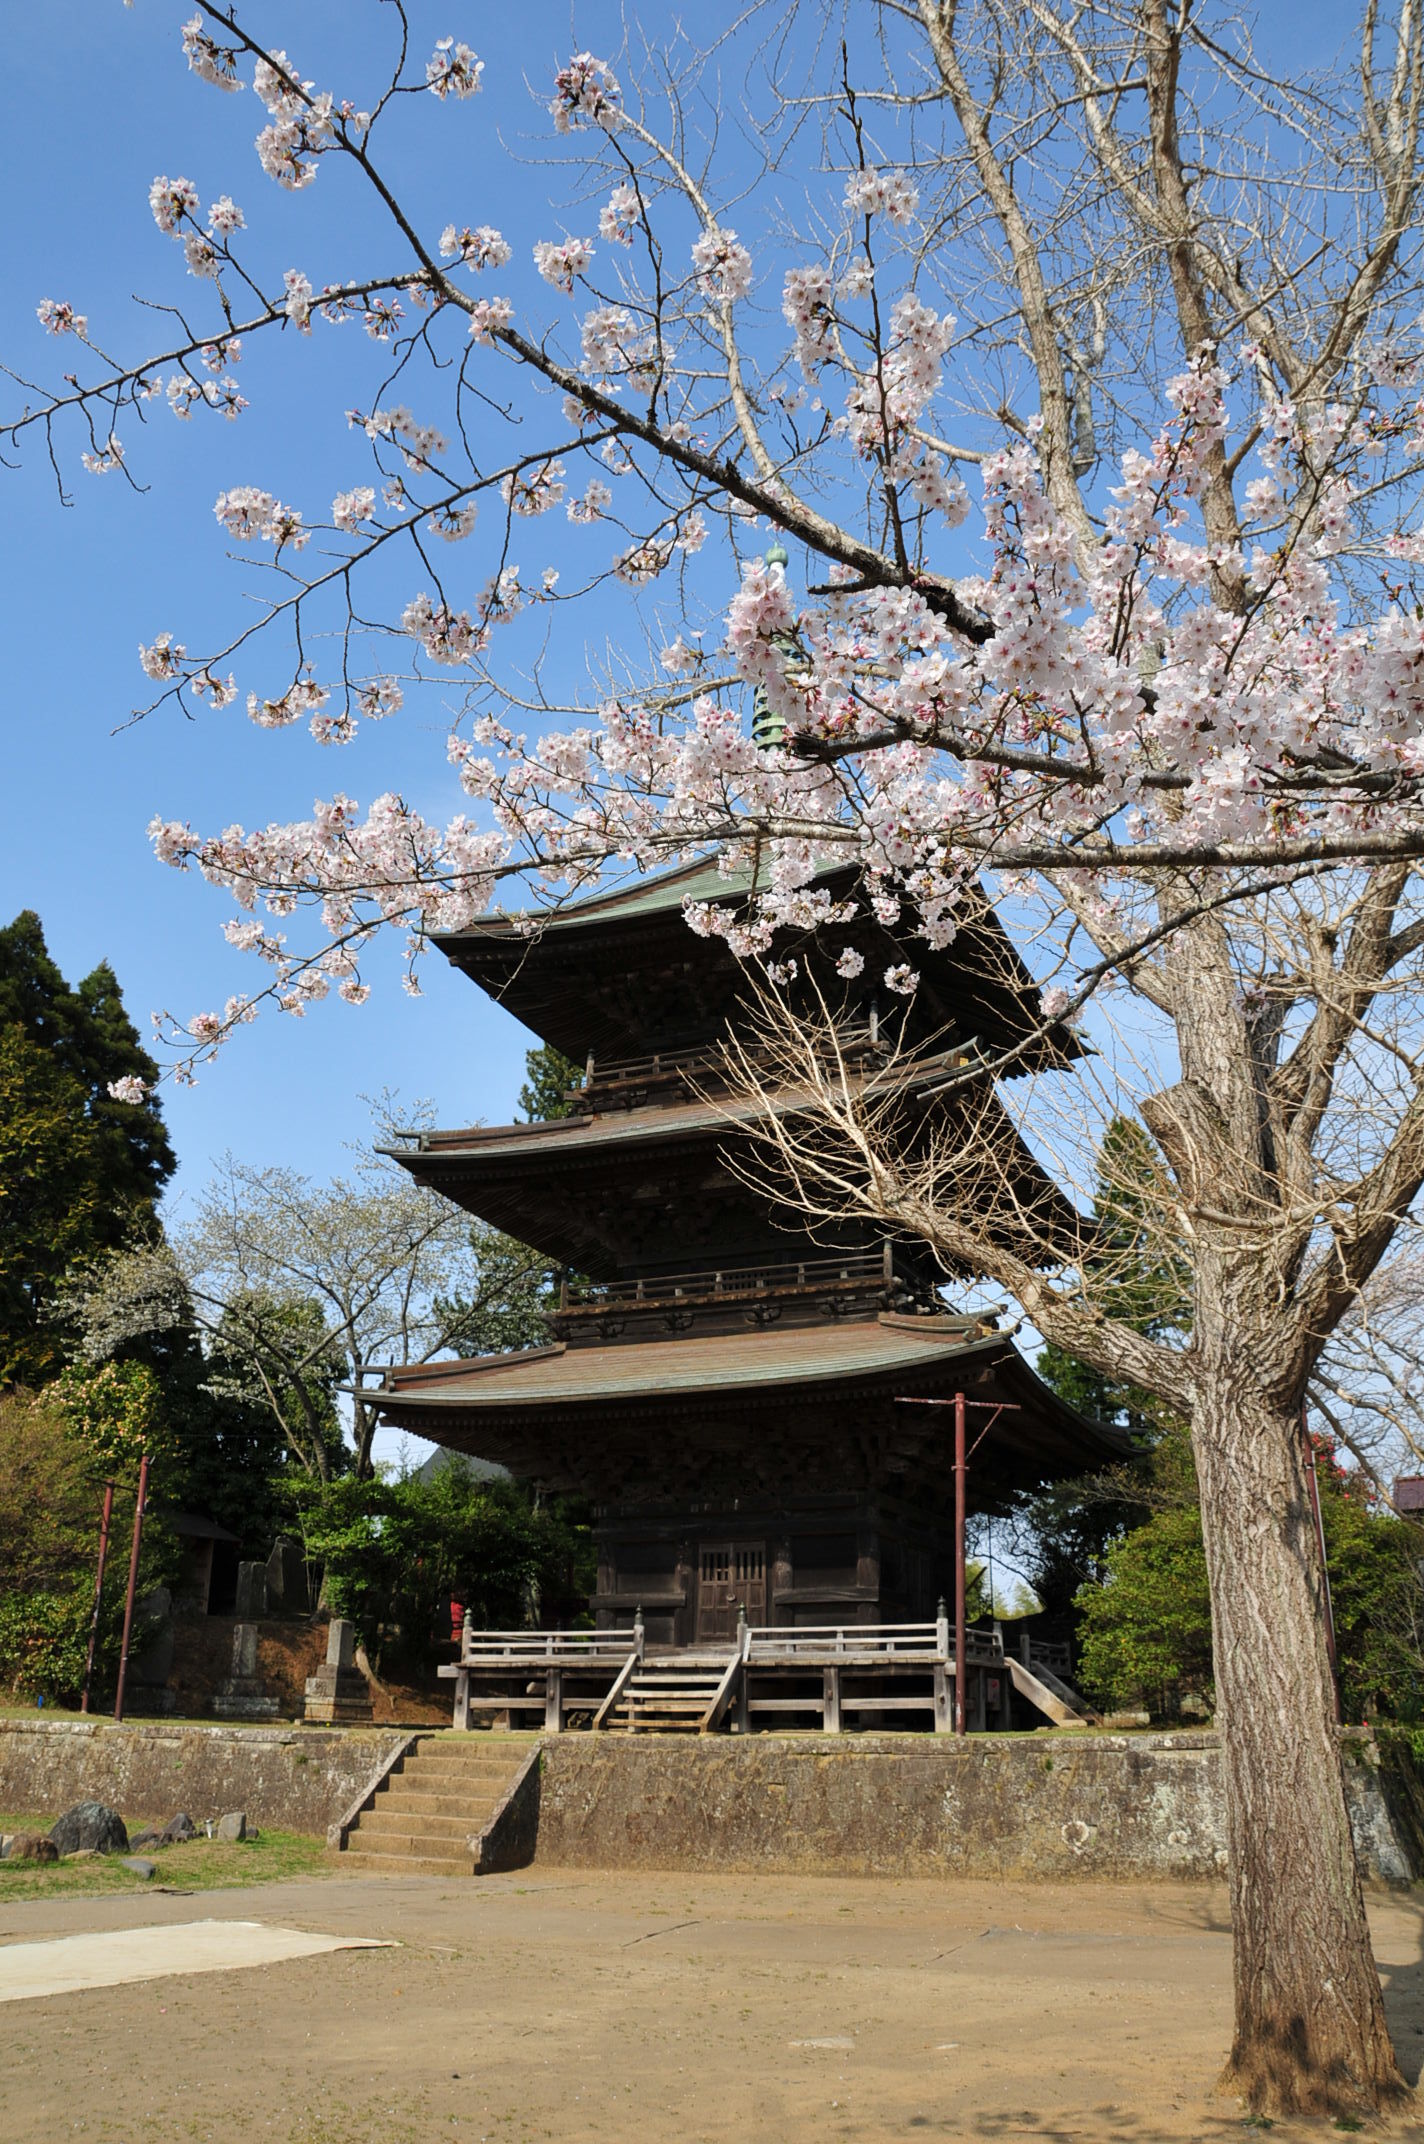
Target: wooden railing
(548, 1655)
(868, 1645)
(858, 1270)
(610, 1082)
(540, 1648)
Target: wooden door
(730, 1574)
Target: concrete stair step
(445, 1779)
(451, 1778)
(399, 1823)
(411, 1841)
(419, 1806)
(406, 1864)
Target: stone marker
(251, 1592)
(286, 1575)
(31, 1846)
(146, 1869)
(90, 1824)
(242, 1696)
(233, 1825)
(338, 1694)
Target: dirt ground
(665, 2010)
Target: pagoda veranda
(743, 1402)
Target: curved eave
(666, 1416)
(526, 962)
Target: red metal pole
(139, 1503)
(98, 1592)
(961, 1650)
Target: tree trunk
(1310, 2031)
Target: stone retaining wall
(1031, 1806)
(871, 1805)
(289, 1778)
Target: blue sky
(83, 585)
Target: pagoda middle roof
(536, 1181)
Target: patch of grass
(201, 1865)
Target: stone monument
(337, 1695)
(242, 1696)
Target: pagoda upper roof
(778, 1407)
(620, 971)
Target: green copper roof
(648, 895)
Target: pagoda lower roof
(771, 1408)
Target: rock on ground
(233, 1825)
(90, 1824)
(30, 1846)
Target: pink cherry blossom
(210, 61)
(482, 248)
(171, 201)
(586, 88)
(534, 491)
(882, 193)
(350, 508)
(723, 265)
(618, 218)
(560, 260)
(163, 658)
(453, 70)
(60, 318)
(128, 1089)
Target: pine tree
(79, 1172)
(547, 1076)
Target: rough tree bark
(1310, 2031)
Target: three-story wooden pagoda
(729, 1393)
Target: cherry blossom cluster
(1148, 683)
(560, 260)
(619, 216)
(249, 515)
(586, 88)
(723, 266)
(882, 193)
(453, 70)
(482, 248)
(303, 123)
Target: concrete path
(64, 1967)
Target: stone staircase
(424, 1816)
(668, 1696)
